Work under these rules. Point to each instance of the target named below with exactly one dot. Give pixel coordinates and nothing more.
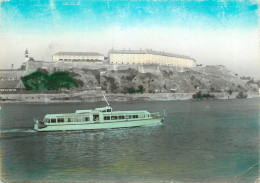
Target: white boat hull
(97, 125)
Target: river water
(200, 141)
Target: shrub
(79, 83)
(241, 94)
(139, 90)
(200, 95)
(230, 92)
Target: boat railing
(156, 115)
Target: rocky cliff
(153, 78)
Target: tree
(38, 81)
(230, 92)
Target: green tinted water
(210, 140)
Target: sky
(213, 32)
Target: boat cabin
(97, 118)
(104, 114)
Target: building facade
(11, 86)
(149, 57)
(77, 56)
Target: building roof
(149, 51)
(78, 54)
(11, 84)
(128, 51)
(11, 74)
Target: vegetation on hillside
(39, 81)
(241, 94)
(131, 90)
(127, 78)
(200, 95)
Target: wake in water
(33, 131)
(152, 125)
(17, 131)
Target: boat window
(106, 117)
(46, 120)
(121, 117)
(129, 116)
(77, 119)
(135, 116)
(86, 118)
(60, 120)
(141, 116)
(53, 120)
(68, 120)
(108, 110)
(96, 117)
(104, 111)
(113, 117)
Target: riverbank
(97, 96)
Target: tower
(26, 55)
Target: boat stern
(162, 119)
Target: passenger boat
(99, 118)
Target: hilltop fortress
(143, 57)
(162, 76)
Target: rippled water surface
(210, 140)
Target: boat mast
(106, 101)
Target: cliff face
(119, 78)
(164, 79)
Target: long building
(149, 57)
(77, 56)
(11, 85)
